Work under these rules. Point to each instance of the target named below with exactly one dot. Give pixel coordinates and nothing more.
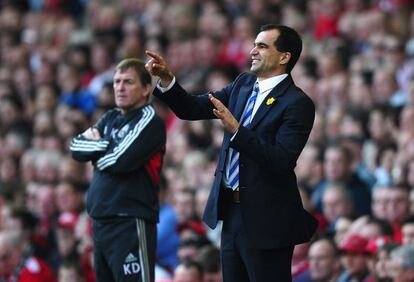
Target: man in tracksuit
(126, 147)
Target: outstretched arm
(157, 66)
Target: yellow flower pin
(270, 101)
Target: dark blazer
(271, 206)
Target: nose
(121, 85)
(253, 51)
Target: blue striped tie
(233, 169)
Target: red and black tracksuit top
(127, 163)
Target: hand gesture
(92, 133)
(226, 117)
(157, 66)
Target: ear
(147, 90)
(285, 58)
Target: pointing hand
(157, 66)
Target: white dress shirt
(265, 86)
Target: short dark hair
(384, 226)
(209, 258)
(139, 67)
(288, 41)
(338, 146)
(408, 220)
(28, 220)
(71, 263)
(332, 244)
(188, 264)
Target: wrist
(166, 80)
(235, 129)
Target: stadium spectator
(357, 66)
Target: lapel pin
(270, 101)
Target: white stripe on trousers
(142, 251)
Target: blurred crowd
(356, 173)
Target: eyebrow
(261, 44)
(123, 79)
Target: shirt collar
(268, 84)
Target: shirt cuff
(234, 135)
(165, 89)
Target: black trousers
(242, 263)
(124, 250)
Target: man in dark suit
(267, 121)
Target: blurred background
(356, 173)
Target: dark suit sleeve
(185, 106)
(290, 138)
(194, 107)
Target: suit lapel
(244, 93)
(271, 100)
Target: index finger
(216, 102)
(153, 55)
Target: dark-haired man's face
(323, 264)
(335, 165)
(129, 92)
(267, 61)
